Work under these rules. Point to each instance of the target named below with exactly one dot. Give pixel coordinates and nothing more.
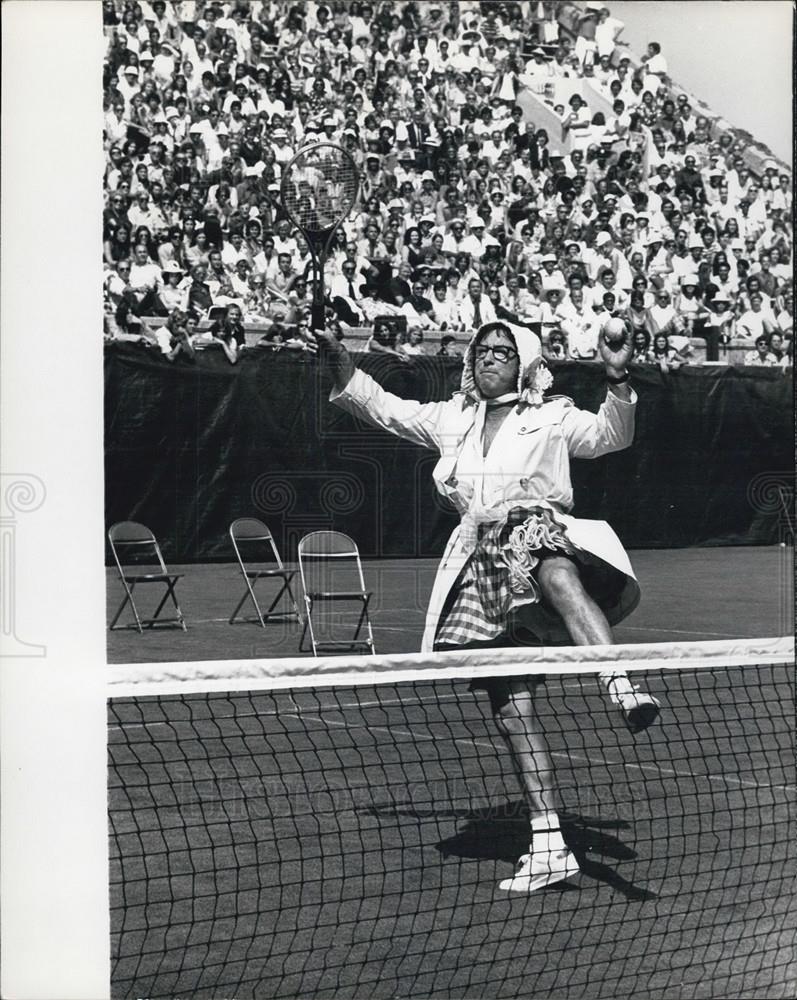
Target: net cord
(198, 677)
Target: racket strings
(319, 188)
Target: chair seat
(256, 574)
(150, 577)
(337, 644)
(339, 595)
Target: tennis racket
(319, 189)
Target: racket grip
(318, 315)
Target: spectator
(719, 326)
(762, 356)
(642, 350)
(145, 280)
(413, 345)
(227, 332)
(655, 65)
(448, 348)
(445, 314)
(203, 112)
(755, 322)
(662, 317)
(785, 317)
(556, 347)
(196, 297)
(691, 314)
(662, 354)
(182, 327)
(476, 309)
(171, 293)
(383, 340)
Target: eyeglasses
(499, 352)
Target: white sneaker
(639, 710)
(535, 871)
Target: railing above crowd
(517, 162)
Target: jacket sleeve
(589, 435)
(421, 423)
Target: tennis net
(333, 835)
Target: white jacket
(528, 465)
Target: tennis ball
(614, 331)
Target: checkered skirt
(499, 575)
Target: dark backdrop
(190, 447)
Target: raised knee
(561, 583)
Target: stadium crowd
(468, 209)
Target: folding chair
(251, 538)
(328, 551)
(134, 545)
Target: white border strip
(153, 679)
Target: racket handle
(318, 315)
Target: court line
(680, 631)
(656, 769)
(420, 613)
(652, 768)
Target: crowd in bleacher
(491, 186)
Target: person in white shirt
(344, 293)
(607, 31)
(445, 312)
(115, 123)
(577, 123)
(163, 63)
(662, 316)
(413, 345)
(475, 242)
(140, 212)
(128, 85)
(551, 314)
(476, 309)
(455, 237)
(755, 322)
(655, 66)
(761, 357)
(581, 326)
(537, 72)
(145, 275)
(606, 255)
(785, 316)
(607, 282)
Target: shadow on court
(501, 833)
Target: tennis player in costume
(519, 569)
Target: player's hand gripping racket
(319, 189)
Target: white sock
(545, 833)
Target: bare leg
(561, 586)
(515, 716)
(548, 859)
(586, 624)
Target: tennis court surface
(687, 594)
(343, 838)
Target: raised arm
(589, 435)
(359, 394)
